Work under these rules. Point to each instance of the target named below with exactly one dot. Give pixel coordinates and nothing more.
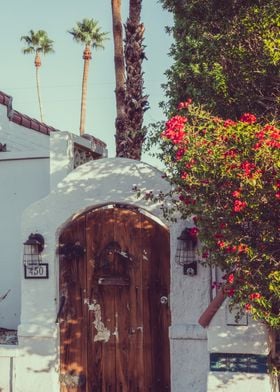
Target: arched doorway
(114, 314)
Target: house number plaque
(40, 271)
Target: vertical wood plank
(101, 342)
(73, 345)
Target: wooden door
(114, 324)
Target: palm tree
(120, 122)
(87, 33)
(136, 103)
(38, 42)
(130, 101)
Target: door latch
(61, 304)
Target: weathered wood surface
(114, 328)
(73, 339)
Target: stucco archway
(95, 184)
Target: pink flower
(236, 193)
(248, 307)
(176, 123)
(229, 123)
(231, 153)
(221, 244)
(230, 292)
(179, 154)
(174, 130)
(248, 118)
(193, 231)
(230, 278)
(254, 296)
(247, 168)
(239, 205)
(176, 136)
(242, 248)
(184, 105)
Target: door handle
(163, 300)
(61, 305)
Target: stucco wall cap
(118, 173)
(97, 183)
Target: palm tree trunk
(87, 58)
(119, 71)
(135, 7)
(37, 63)
(136, 102)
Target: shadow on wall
(104, 181)
(232, 379)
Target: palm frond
(37, 42)
(88, 32)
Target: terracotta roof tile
(28, 122)
(23, 119)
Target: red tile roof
(27, 122)
(23, 119)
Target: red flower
(247, 168)
(175, 129)
(184, 175)
(216, 285)
(230, 278)
(242, 248)
(184, 105)
(186, 200)
(239, 205)
(205, 254)
(176, 136)
(190, 164)
(277, 195)
(176, 123)
(254, 296)
(248, 307)
(231, 153)
(221, 244)
(236, 193)
(180, 153)
(230, 292)
(248, 118)
(229, 123)
(193, 232)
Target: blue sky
(61, 73)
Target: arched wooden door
(114, 314)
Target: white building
(25, 178)
(114, 310)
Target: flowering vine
(227, 175)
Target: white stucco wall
(24, 178)
(250, 338)
(93, 184)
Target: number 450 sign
(40, 271)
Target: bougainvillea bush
(226, 175)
